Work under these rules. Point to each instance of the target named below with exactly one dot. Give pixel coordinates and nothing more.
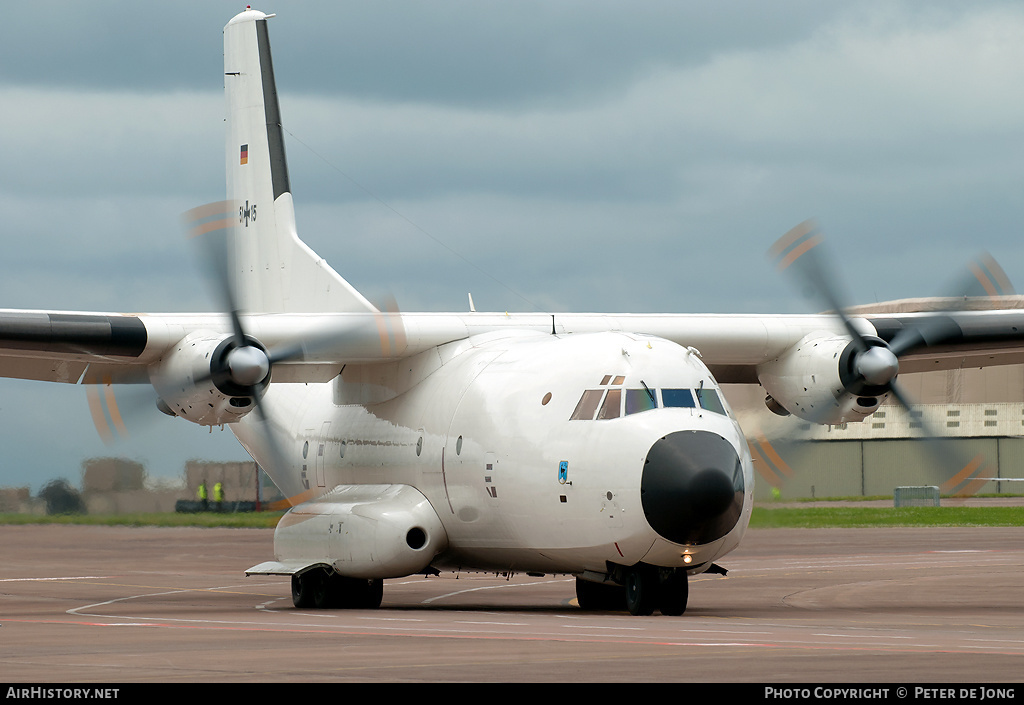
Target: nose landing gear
(649, 588)
(644, 589)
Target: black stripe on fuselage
(275, 137)
(116, 336)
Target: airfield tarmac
(84, 604)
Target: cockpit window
(638, 400)
(710, 400)
(587, 406)
(678, 398)
(612, 405)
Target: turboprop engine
(830, 379)
(211, 379)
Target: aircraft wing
(733, 346)
(59, 347)
(77, 347)
(976, 339)
(92, 347)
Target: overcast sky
(552, 156)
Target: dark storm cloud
(464, 52)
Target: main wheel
(325, 596)
(304, 589)
(356, 593)
(599, 596)
(373, 595)
(642, 589)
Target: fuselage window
(677, 398)
(638, 400)
(612, 407)
(710, 400)
(587, 406)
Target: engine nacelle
(362, 531)
(193, 383)
(813, 381)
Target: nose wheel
(649, 588)
(644, 589)
(675, 590)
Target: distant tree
(62, 498)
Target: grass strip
(818, 517)
(863, 517)
(241, 520)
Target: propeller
(105, 411)
(871, 365)
(241, 365)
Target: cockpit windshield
(678, 397)
(613, 402)
(638, 400)
(710, 400)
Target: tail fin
(273, 270)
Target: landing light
(687, 558)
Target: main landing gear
(644, 589)
(322, 588)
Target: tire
(324, 593)
(599, 596)
(675, 591)
(373, 595)
(302, 591)
(356, 593)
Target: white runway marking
(492, 587)
(43, 580)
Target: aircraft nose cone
(692, 487)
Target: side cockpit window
(588, 405)
(612, 406)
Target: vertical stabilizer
(273, 270)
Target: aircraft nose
(692, 487)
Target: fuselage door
(321, 453)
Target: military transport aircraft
(595, 445)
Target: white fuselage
(484, 428)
